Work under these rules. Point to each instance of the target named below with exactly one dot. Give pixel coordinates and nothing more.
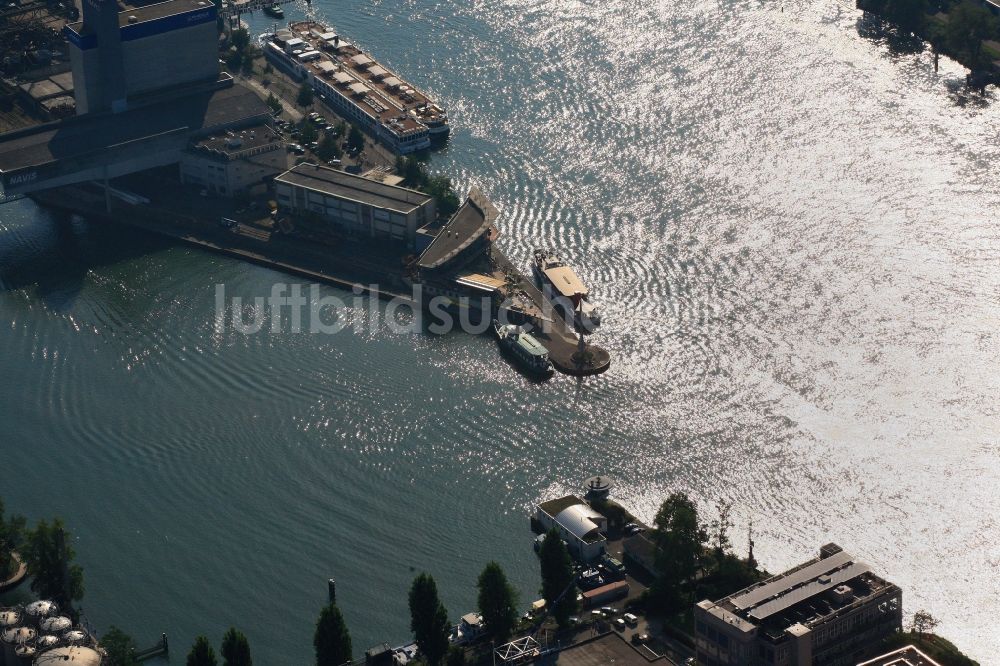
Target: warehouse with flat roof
(831, 610)
(354, 204)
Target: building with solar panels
(830, 611)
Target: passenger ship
(354, 85)
(528, 352)
(568, 292)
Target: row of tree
(694, 560)
(428, 621)
(46, 550)
(332, 639)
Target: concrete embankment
(378, 274)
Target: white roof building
(582, 528)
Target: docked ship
(530, 354)
(357, 87)
(568, 293)
(275, 11)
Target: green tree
(679, 541)
(12, 531)
(428, 619)
(355, 139)
(497, 602)
(968, 26)
(413, 172)
(234, 61)
(910, 15)
(456, 657)
(50, 562)
(328, 148)
(235, 649)
(720, 530)
(274, 103)
(201, 653)
(240, 40)
(441, 189)
(308, 132)
(557, 577)
(305, 96)
(924, 623)
(120, 647)
(332, 639)
(247, 65)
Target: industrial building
(233, 161)
(354, 204)
(583, 529)
(830, 611)
(104, 145)
(118, 57)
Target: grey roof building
(354, 204)
(830, 611)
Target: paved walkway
(18, 577)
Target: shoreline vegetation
(693, 560)
(964, 30)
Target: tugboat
(275, 11)
(528, 352)
(566, 288)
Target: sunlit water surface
(792, 226)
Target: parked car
(630, 619)
(640, 638)
(619, 624)
(633, 528)
(609, 611)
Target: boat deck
(390, 98)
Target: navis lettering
(23, 178)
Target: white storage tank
(11, 638)
(75, 637)
(56, 624)
(24, 654)
(47, 642)
(78, 656)
(9, 617)
(39, 610)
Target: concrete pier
(559, 337)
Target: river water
(791, 223)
